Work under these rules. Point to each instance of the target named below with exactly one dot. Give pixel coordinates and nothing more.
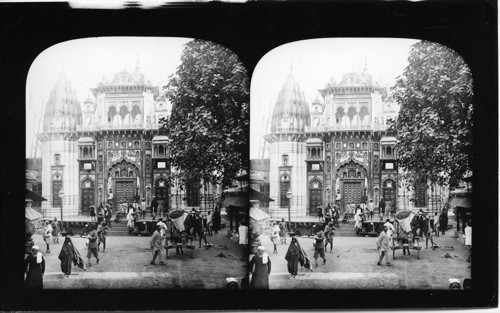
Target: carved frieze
(346, 156)
(133, 156)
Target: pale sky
(86, 61)
(314, 62)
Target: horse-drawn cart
(405, 237)
(177, 235)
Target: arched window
(85, 152)
(161, 151)
(351, 113)
(130, 173)
(363, 115)
(284, 188)
(57, 159)
(344, 175)
(111, 114)
(339, 115)
(389, 152)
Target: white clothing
(390, 229)
(163, 229)
(243, 232)
(468, 236)
(276, 233)
(370, 206)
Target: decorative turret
(291, 111)
(63, 111)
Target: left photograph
(137, 165)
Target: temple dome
(357, 79)
(125, 77)
(63, 111)
(291, 111)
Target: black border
(251, 30)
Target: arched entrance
(88, 195)
(352, 184)
(125, 181)
(315, 196)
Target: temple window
(57, 159)
(284, 188)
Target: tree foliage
(434, 126)
(209, 126)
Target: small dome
(356, 79)
(291, 103)
(160, 139)
(388, 140)
(63, 111)
(86, 140)
(314, 141)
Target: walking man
(92, 249)
(143, 208)
(102, 230)
(156, 246)
(163, 229)
(383, 247)
(319, 247)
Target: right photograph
(361, 166)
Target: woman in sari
(35, 267)
(293, 257)
(260, 267)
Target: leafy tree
(434, 126)
(209, 126)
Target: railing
(117, 127)
(345, 127)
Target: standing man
(383, 247)
(320, 213)
(381, 208)
(370, 208)
(92, 246)
(55, 231)
(110, 198)
(319, 247)
(156, 246)
(243, 235)
(468, 239)
(283, 230)
(216, 219)
(443, 221)
(335, 215)
(154, 207)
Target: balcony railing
(345, 127)
(118, 127)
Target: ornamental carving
(133, 156)
(342, 157)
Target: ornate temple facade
(337, 150)
(110, 144)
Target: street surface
(353, 265)
(126, 264)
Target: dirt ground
(126, 264)
(353, 265)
